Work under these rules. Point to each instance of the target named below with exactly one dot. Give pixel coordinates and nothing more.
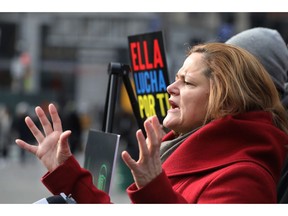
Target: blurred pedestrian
(5, 130)
(71, 121)
(19, 126)
(269, 47)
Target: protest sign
(150, 73)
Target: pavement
(20, 181)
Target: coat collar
(244, 137)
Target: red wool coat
(237, 159)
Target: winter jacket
(236, 159)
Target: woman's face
(189, 95)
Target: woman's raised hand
(53, 147)
(148, 165)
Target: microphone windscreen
(56, 199)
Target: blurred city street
(20, 181)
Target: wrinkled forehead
(193, 64)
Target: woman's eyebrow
(180, 75)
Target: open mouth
(173, 105)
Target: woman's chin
(169, 121)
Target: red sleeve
(157, 191)
(71, 178)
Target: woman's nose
(172, 89)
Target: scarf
(169, 146)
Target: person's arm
(64, 175)
(70, 178)
(159, 190)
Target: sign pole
(115, 71)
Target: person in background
(269, 47)
(226, 145)
(71, 121)
(271, 50)
(20, 128)
(5, 131)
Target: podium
(102, 146)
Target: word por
(147, 104)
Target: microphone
(57, 199)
